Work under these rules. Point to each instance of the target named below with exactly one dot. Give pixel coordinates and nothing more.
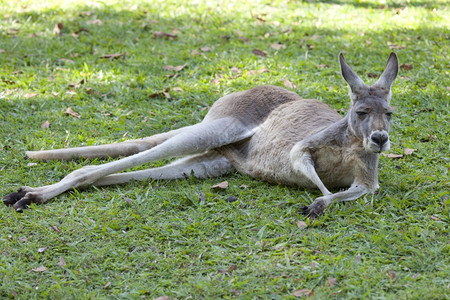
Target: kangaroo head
(369, 116)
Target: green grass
(144, 240)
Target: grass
(181, 238)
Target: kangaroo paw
(12, 198)
(31, 197)
(308, 211)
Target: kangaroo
(267, 132)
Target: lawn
(129, 69)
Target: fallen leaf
(244, 186)
(162, 298)
(395, 46)
(176, 68)
(164, 93)
(31, 164)
(221, 185)
(324, 66)
(435, 218)
(39, 269)
(57, 29)
(372, 75)
(259, 52)
(406, 67)
(61, 262)
(278, 46)
(107, 284)
(69, 111)
(391, 274)
(46, 124)
(177, 89)
(391, 155)
(288, 84)
(331, 281)
(113, 56)
(77, 84)
(415, 276)
(301, 293)
(127, 200)
(409, 151)
(205, 49)
(301, 224)
(263, 71)
(31, 95)
(161, 34)
(2, 51)
(55, 228)
(14, 293)
(41, 250)
(358, 258)
(244, 39)
(94, 22)
(228, 270)
(67, 61)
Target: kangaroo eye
(361, 113)
(389, 114)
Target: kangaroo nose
(380, 138)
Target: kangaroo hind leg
(196, 139)
(209, 164)
(108, 150)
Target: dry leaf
(391, 274)
(46, 124)
(263, 71)
(222, 185)
(113, 56)
(31, 164)
(358, 258)
(278, 46)
(70, 112)
(301, 293)
(107, 284)
(205, 49)
(435, 218)
(177, 89)
(55, 228)
(164, 93)
(67, 61)
(406, 67)
(331, 281)
(61, 262)
(259, 52)
(289, 84)
(94, 22)
(39, 269)
(31, 95)
(41, 250)
(244, 39)
(162, 298)
(409, 151)
(395, 46)
(301, 224)
(235, 70)
(57, 29)
(161, 34)
(176, 68)
(229, 270)
(372, 75)
(391, 155)
(77, 85)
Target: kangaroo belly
(267, 154)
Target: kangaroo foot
(22, 198)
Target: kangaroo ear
(350, 76)
(389, 74)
